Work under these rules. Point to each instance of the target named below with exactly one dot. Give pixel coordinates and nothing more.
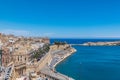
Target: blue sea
(91, 62)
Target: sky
(61, 18)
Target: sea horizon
(81, 40)
(60, 39)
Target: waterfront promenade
(57, 56)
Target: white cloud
(16, 32)
(26, 33)
(48, 34)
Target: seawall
(55, 59)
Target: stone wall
(39, 65)
(44, 61)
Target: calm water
(79, 41)
(92, 63)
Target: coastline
(57, 55)
(112, 43)
(65, 57)
(72, 50)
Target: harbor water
(92, 62)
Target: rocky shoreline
(114, 43)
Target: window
(25, 58)
(18, 58)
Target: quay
(58, 55)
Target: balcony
(20, 65)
